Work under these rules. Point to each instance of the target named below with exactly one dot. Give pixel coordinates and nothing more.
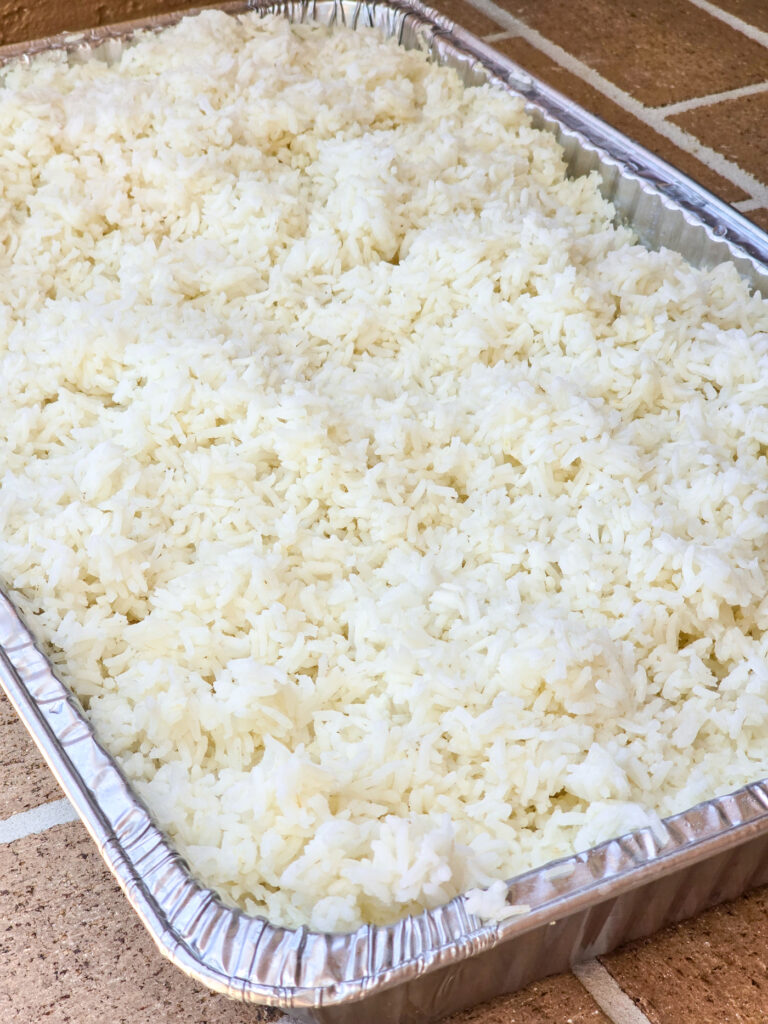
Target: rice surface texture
(399, 521)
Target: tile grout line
(38, 819)
(683, 140)
(755, 34)
(715, 97)
(608, 994)
(495, 37)
(748, 205)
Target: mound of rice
(400, 522)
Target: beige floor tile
(736, 128)
(660, 51)
(25, 779)
(73, 952)
(575, 88)
(711, 970)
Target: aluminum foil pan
(428, 965)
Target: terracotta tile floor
(689, 80)
(643, 48)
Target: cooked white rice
(400, 523)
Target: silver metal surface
(425, 966)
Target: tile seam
(715, 161)
(753, 33)
(38, 819)
(495, 37)
(748, 205)
(608, 994)
(715, 97)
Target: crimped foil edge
(246, 957)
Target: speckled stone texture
(711, 970)
(72, 951)
(25, 780)
(736, 128)
(659, 51)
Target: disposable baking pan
(428, 965)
